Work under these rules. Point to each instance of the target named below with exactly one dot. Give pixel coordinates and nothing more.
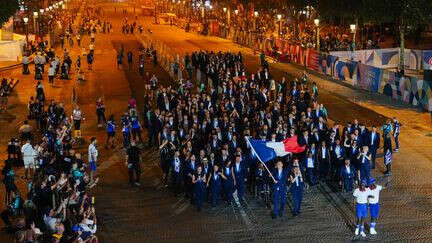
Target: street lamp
(316, 22)
(41, 11)
(236, 11)
(35, 16)
(256, 13)
(279, 17)
(353, 30)
(224, 9)
(26, 28)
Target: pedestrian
(119, 60)
(240, 175)
(388, 154)
(93, 158)
(347, 175)
(51, 73)
(374, 206)
(133, 159)
(126, 127)
(280, 179)
(361, 195)
(215, 183)
(130, 59)
(29, 155)
(373, 142)
(199, 184)
(364, 158)
(100, 112)
(310, 169)
(90, 60)
(396, 132)
(176, 173)
(297, 187)
(229, 181)
(111, 127)
(77, 117)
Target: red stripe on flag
(291, 145)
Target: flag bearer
(280, 179)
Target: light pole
(256, 15)
(316, 22)
(279, 17)
(35, 16)
(353, 30)
(26, 28)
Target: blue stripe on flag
(261, 150)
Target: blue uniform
(126, 131)
(215, 188)
(240, 175)
(228, 184)
(279, 191)
(364, 167)
(396, 134)
(199, 189)
(111, 128)
(347, 177)
(296, 189)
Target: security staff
(297, 187)
(280, 179)
(215, 183)
(347, 175)
(133, 159)
(396, 131)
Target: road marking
(243, 214)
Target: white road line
(243, 214)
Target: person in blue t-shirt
(136, 128)
(111, 127)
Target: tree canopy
(7, 9)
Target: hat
(77, 228)
(371, 181)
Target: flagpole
(265, 166)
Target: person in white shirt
(92, 156)
(361, 198)
(51, 73)
(29, 154)
(374, 206)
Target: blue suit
(240, 175)
(373, 144)
(279, 191)
(364, 167)
(296, 189)
(228, 184)
(347, 177)
(215, 188)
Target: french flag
(268, 150)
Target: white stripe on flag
(278, 147)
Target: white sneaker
(372, 231)
(363, 234)
(357, 231)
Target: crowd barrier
(411, 90)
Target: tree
(7, 9)
(407, 15)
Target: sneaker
(357, 230)
(363, 234)
(372, 231)
(137, 184)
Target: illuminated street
(148, 211)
